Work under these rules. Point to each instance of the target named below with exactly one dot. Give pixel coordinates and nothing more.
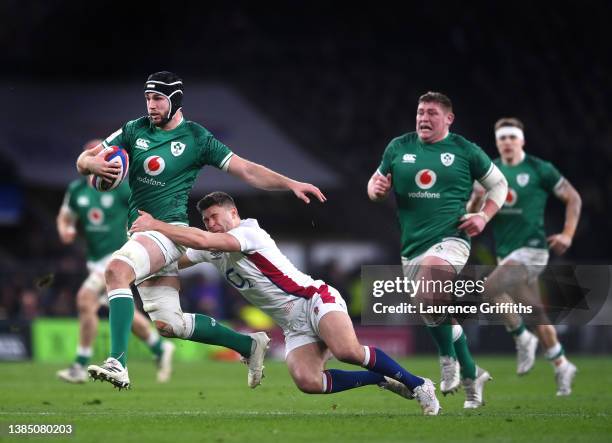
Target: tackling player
(311, 313)
(522, 246)
(431, 172)
(102, 218)
(166, 154)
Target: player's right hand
(96, 165)
(382, 185)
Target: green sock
(443, 336)
(156, 348)
(82, 360)
(208, 330)
(468, 366)
(121, 316)
(518, 331)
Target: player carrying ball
(166, 154)
(102, 219)
(311, 313)
(432, 172)
(522, 246)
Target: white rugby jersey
(262, 274)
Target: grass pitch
(210, 402)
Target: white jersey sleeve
(197, 256)
(250, 238)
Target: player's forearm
(371, 194)
(82, 163)
(490, 209)
(572, 214)
(183, 235)
(263, 178)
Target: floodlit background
(314, 91)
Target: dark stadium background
(340, 80)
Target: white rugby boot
(426, 396)
(164, 363)
(564, 375)
(397, 387)
(526, 352)
(450, 377)
(255, 361)
(74, 374)
(474, 389)
(111, 371)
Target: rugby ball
(113, 154)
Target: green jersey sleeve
(550, 176)
(121, 137)
(69, 197)
(212, 151)
(480, 163)
(387, 159)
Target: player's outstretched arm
(89, 163)
(263, 178)
(187, 236)
(379, 186)
(66, 226)
(561, 242)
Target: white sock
(522, 337)
(84, 351)
(152, 338)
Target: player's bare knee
(349, 354)
(308, 382)
(86, 302)
(118, 274)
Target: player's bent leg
(87, 308)
(160, 298)
(440, 326)
(306, 365)
(336, 330)
(502, 286)
(162, 350)
(138, 258)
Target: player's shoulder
(403, 140)
(141, 123)
(197, 130)
(77, 184)
(462, 142)
(538, 163)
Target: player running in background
(311, 313)
(522, 246)
(431, 172)
(102, 219)
(166, 154)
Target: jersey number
(236, 279)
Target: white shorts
(534, 259)
(454, 250)
(95, 280)
(135, 255)
(304, 322)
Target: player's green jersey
(432, 184)
(165, 164)
(101, 216)
(520, 221)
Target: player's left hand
(301, 191)
(473, 224)
(144, 222)
(559, 243)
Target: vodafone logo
(154, 165)
(511, 198)
(425, 178)
(95, 216)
